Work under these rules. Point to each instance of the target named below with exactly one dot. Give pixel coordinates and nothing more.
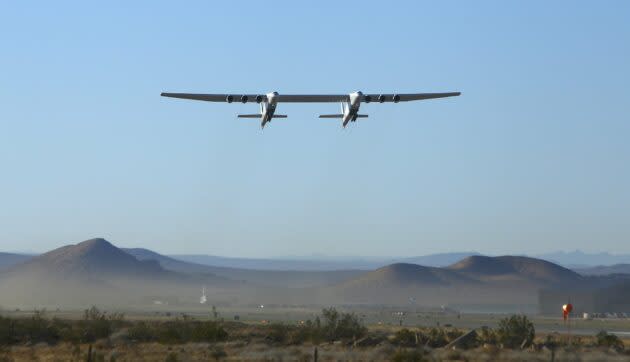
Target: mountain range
(97, 271)
(9, 259)
(576, 260)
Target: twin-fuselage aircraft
(350, 103)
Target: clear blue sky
(533, 157)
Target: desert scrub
(609, 340)
(516, 331)
(332, 326)
(279, 333)
(405, 338)
(178, 331)
(341, 325)
(35, 329)
(413, 355)
(486, 335)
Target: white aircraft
(350, 103)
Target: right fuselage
(268, 108)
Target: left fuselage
(350, 109)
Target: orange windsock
(566, 310)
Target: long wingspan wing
(311, 98)
(215, 97)
(407, 97)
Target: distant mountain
(301, 264)
(166, 262)
(475, 279)
(604, 269)
(8, 260)
(438, 260)
(532, 269)
(321, 263)
(408, 275)
(95, 272)
(91, 258)
(277, 278)
(578, 259)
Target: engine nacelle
(244, 99)
(381, 98)
(396, 98)
(229, 98)
(259, 98)
(367, 99)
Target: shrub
(171, 357)
(516, 331)
(415, 355)
(609, 340)
(37, 329)
(178, 331)
(218, 353)
(141, 332)
(486, 335)
(405, 337)
(310, 331)
(208, 332)
(278, 332)
(341, 325)
(96, 324)
(436, 337)
(7, 331)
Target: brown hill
(533, 270)
(94, 258)
(408, 275)
(97, 272)
(473, 280)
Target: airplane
(350, 103)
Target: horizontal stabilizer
(279, 116)
(362, 116)
(331, 116)
(249, 116)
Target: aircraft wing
(284, 98)
(323, 98)
(214, 97)
(409, 96)
(311, 98)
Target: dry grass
(242, 351)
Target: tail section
(331, 116)
(279, 116)
(362, 116)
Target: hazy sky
(533, 157)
